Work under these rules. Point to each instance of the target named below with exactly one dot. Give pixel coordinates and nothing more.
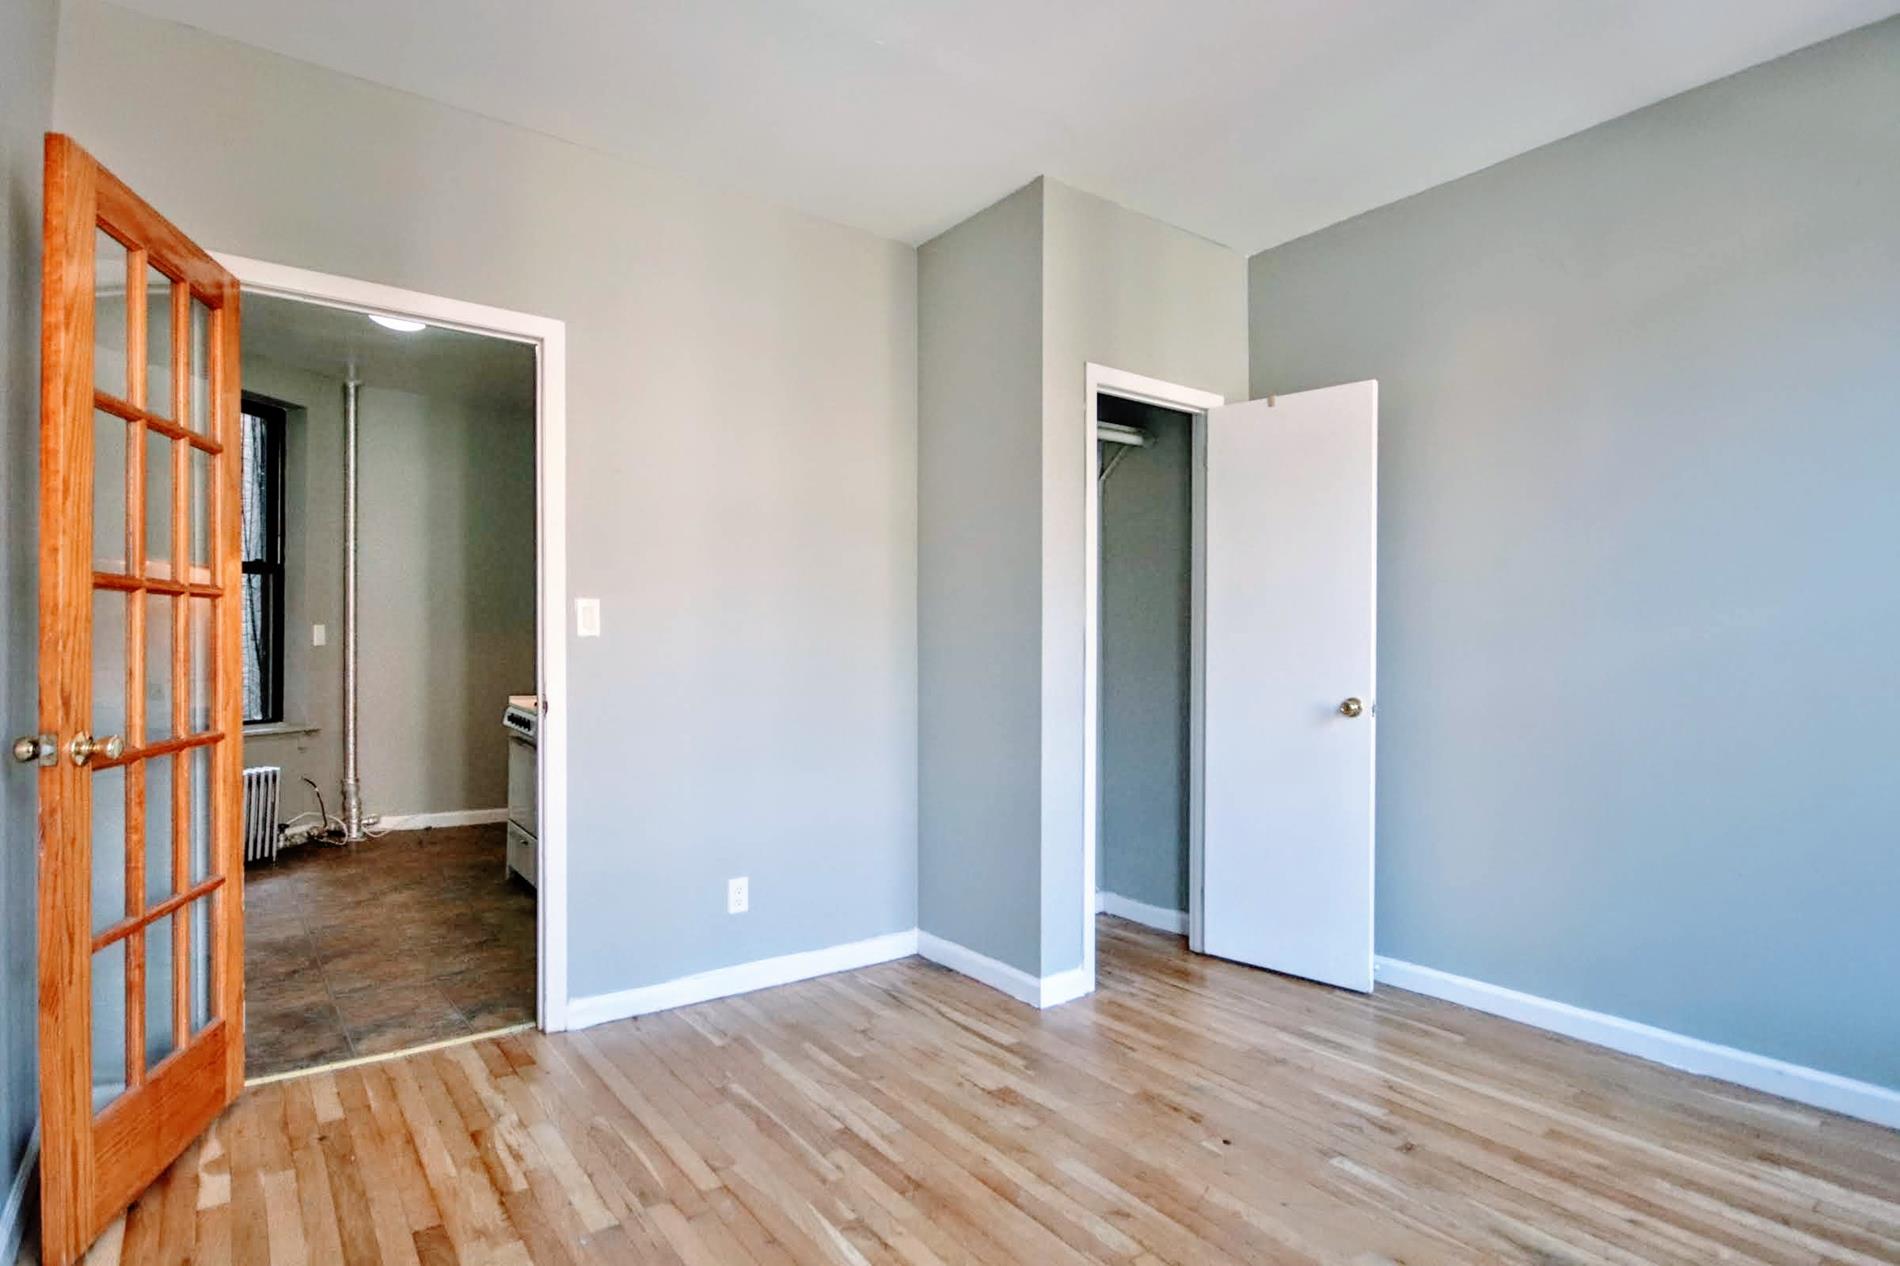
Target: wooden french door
(141, 921)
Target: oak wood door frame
(549, 339)
(95, 1158)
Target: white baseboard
(13, 1212)
(1039, 992)
(1160, 918)
(723, 982)
(1066, 986)
(1811, 1086)
(452, 817)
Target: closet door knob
(1351, 708)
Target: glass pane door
(152, 742)
(141, 935)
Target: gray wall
(979, 572)
(1132, 293)
(27, 29)
(1147, 558)
(741, 476)
(448, 590)
(1638, 609)
(447, 585)
(313, 584)
(1015, 302)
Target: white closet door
(1291, 514)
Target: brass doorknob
(1351, 708)
(84, 747)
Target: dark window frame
(276, 420)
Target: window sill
(278, 729)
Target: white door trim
(1097, 380)
(549, 338)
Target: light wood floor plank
(1190, 1111)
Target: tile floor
(406, 939)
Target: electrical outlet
(318, 635)
(587, 617)
(738, 895)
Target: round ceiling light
(401, 325)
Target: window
(262, 546)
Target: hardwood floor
(406, 939)
(1189, 1111)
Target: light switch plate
(318, 635)
(587, 617)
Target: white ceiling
(336, 342)
(1247, 121)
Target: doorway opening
(1280, 672)
(407, 887)
(1142, 653)
(1143, 796)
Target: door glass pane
(108, 1024)
(200, 665)
(158, 341)
(200, 511)
(108, 493)
(253, 661)
(158, 991)
(201, 1013)
(158, 829)
(108, 847)
(108, 314)
(158, 504)
(254, 470)
(198, 767)
(108, 663)
(200, 419)
(158, 667)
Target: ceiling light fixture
(402, 325)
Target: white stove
(522, 721)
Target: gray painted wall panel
(979, 510)
(27, 34)
(1637, 598)
(742, 471)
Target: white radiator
(260, 813)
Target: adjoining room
(390, 767)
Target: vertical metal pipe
(352, 787)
